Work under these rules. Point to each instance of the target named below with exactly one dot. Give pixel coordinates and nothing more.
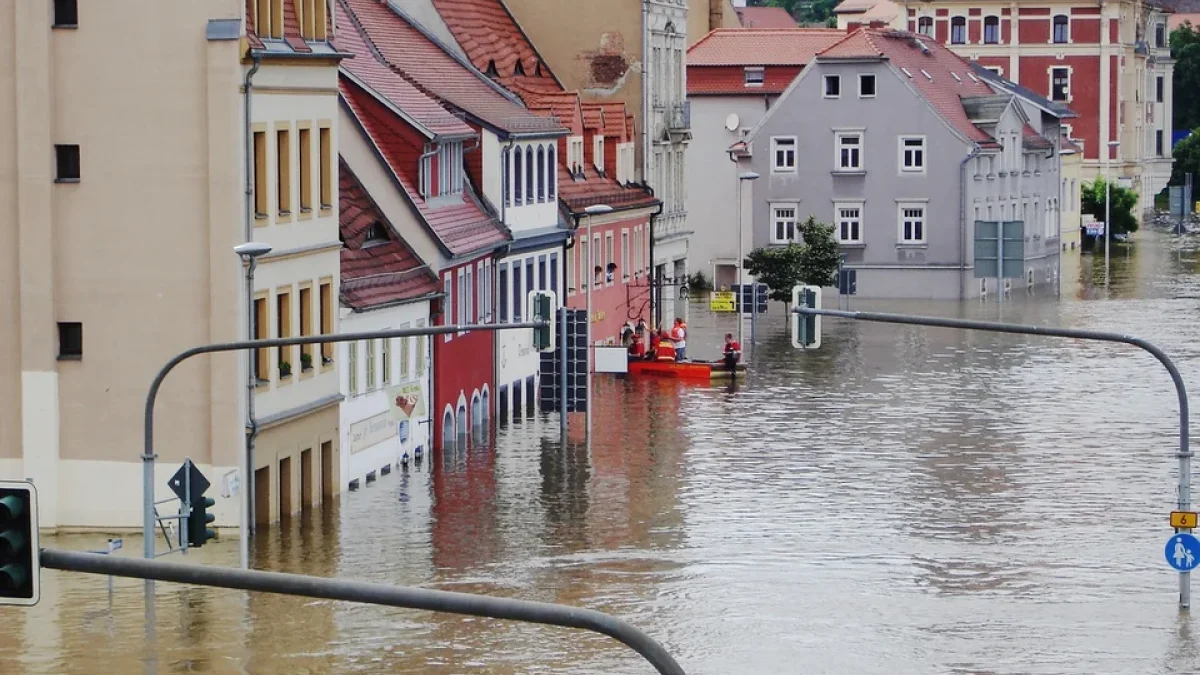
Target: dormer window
(575, 155)
(442, 171)
(491, 69)
(268, 19)
(312, 15)
(376, 234)
(598, 152)
(519, 69)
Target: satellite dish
(732, 122)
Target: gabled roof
(761, 46)
(367, 71)
(986, 109)
(937, 74)
(425, 63)
(1032, 140)
(854, 6)
(458, 223)
(765, 17)
(381, 273)
(997, 82)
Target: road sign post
(1184, 454)
(1183, 552)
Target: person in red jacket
(733, 352)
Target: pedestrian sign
(1183, 552)
(1183, 520)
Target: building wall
(624, 298)
(1072, 182)
(462, 362)
(530, 202)
(518, 275)
(169, 143)
(370, 435)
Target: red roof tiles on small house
(761, 46)
(375, 271)
(765, 17)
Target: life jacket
(665, 351)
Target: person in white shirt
(679, 337)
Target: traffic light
(197, 523)
(20, 567)
(806, 328)
(541, 307)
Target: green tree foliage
(1187, 159)
(813, 263)
(1185, 48)
(1122, 203)
(804, 11)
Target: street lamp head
(1114, 144)
(749, 175)
(252, 249)
(598, 209)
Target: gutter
(650, 275)
(426, 189)
(1058, 211)
(251, 380)
(646, 112)
(962, 230)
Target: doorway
(306, 478)
(327, 470)
(262, 496)
(725, 277)
(285, 488)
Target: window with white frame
(1062, 30)
(598, 152)
(912, 154)
(1060, 84)
(626, 254)
(958, 30)
(518, 176)
(551, 172)
(450, 168)
(570, 263)
(833, 86)
(866, 85)
(753, 77)
(469, 296)
(541, 174)
(849, 150)
(448, 306)
(912, 223)
(597, 276)
(783, 223)
(925, 25)
(991, 30)
(783, 154)
(506, 176)
(849, 216)
(609, 258)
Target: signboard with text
(723, 301)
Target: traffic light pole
(148, 456)
(375, 594)
(1184, 455)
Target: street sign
(1093, 228)
(199, 486)
(722, 301)
(1183, 520)
(1183, 552)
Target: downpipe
(247, 509)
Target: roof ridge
(529, 41)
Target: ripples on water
(905, 500)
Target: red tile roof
(939, 75)
(615, 120)
(494, 42)
(377, 273)
(1035, 141)
(563, 106)
(765, 17)
(761, 46)
(425, 64)
(459, 222)
(377, 77)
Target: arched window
(529, 174)
(448, 430)
(1061, 29)
(486, 408)
(541, 174)
(958, 30)
(505, 176)
(925, 25)
(461, 427)
(991, 30)
(476, 419)
(518, 194)
(551, 173)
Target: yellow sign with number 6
(1183, 520)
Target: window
(1159, 85)
(385, 361)
(503, 292)
(517, 299)
(753, 77)
(326, 168)
(833, 86)
(67, 163)
(352, 367)
(609, 257)
(371, 372)
(529, 168)
(469, 295)
(991, 30)
(551, 173)
(1160, 35)
(1060, 79)
(912, 154)
(283, 325)
(849, 151)
(283, 168)
(541, 271)
(541, 174)
(421, 356)
(1158, 142)
(70, 340)
(1061, 28)
(783, 153)
(326, 301)
(66, 13)
(554, 272)
(505, 158)
(849, 223)
(912, 223)
(260, 174)
(518, 192)
(405, 355)
(958, 30)
(597, 257)
(866, 86)
(625, 254)
(306, 351)
(571, 265)
(305, 139)
(262, 326)
(783, 224)
(925, 25)
(598, 152)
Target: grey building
(904, 147)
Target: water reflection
(905, 500)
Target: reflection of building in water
(463, 526)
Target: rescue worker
(679, 338)
(655, 341)
(733, 352)
(666, 350)
(637, 348)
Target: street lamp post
(250, 252)
(742, 179)
(594, 210)
(1112, 145)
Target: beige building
(123, 171)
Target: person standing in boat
(679, 338)
(733, 352)
(665, 351)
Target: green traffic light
(12, 577)
(11, 543)
(11, 508)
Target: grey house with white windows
(902, 146)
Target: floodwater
(905, 500)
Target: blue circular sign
(1183, 552)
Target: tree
(813, 263)
(1187, 159)
(1185, 48)
(804, 11)
(1122, 203)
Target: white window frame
(825, 80)
(1050, 78)
(901, 207)
(775, 142)
(923, 149)
(932, 25)
(839, 144)
(966, 32)
(776, 220)
(875, 85)
(598, 152)
(837, 220)
(983, 26)
(751, 82)
(626, 254)
(609, 257)
(1052, 40)
(448, 305)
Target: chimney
(853, 26)
(716, 13)
(878, 24)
